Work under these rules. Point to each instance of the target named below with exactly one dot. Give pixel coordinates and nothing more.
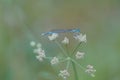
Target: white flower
(39, 57)
(80, 37)
(39, 45)
(64, 74)
(32, 43)
(90, 70)
(41, 54)
(37, 50)
(79, 55)
(55, 60)
(65, 41)
(53, 36)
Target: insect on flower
(69, 56)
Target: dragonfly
(61, 31)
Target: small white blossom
(90, 70)
(65, 41)
(53, 36)
(40, 56)
(32, 43)
(55, 60)
(39, 45)
(79, 55)
(37, 50)
(42, 52)
(80, 37)
(64, 74)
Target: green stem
(76, 48)
(75, 71)
(77, 64)
(67, 49)
(64, 53)
(68, 64)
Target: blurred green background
(24, 20)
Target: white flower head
(55, 60)
(79, 55)
(90, 70)
(53, 36)
(32, 43)
(65, 41)
(80, 37)
(64, 74)
(41, 54)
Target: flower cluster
(64, 74)
(80, 37)
(55, 60)
(71, 57)
(79, 55)
(90, 70)
(65, 41)
(38, 50)
(53, 36)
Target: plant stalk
(76, 48)
(75, 71)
